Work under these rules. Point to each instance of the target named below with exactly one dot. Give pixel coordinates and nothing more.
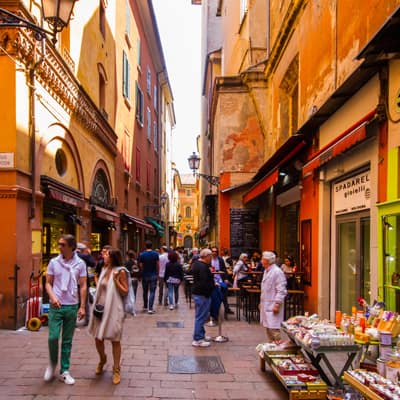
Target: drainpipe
(32, 128)
(16, 297)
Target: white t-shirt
(66, 278)
(163, 262)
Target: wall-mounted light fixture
(56, 13)
(194, 164)
(387, 225)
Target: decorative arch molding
(102, 72)
(55, 75)
(62, 133)
(101, 190)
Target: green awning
(159, 228)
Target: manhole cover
(195, 365)
(169, 324)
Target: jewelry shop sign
(352, 194)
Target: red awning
(268, 174)
(65, 198)
(343, 142)
(138, 221)
(106, 215)
(263, 185)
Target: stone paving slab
(146, 349)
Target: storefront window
(391, 269)
(353, 266)
(95, 241)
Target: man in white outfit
(161, 273)
(64, 273)
(273, 293)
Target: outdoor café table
(325, 353)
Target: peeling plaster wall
(237, 134)
(326, 63)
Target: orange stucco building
(295, 127)
(69, 149)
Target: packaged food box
(287, 367)
(306, 377)
(307, 368)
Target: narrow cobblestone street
(146, 350)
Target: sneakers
(49, 373)
(208, 338)
(200, 343)
(171, 307)
(150, 312)
(67, 378)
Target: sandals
(100, 365)
(116, 379)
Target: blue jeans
(216, 300)
(202, 309)
(149, 283)
(173, 293)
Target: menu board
(244, 230)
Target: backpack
(129, 299)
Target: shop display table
(297, 390)
(364, 390)
(320, 358)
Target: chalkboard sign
(244, 231)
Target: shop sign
(56, 195)
(6, 160)
(352, 194)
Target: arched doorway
(188, 242)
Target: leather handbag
(98, 310)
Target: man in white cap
(273, 293)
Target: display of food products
(316, 333)
(383, 387)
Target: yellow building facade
(58, 149)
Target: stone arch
(58, 137)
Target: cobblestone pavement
(146, 349)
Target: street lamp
(194, 164)
(56, 13)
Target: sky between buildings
(179, 24)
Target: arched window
(188, 212)
(100, 190)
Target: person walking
(273, 293)
(112, 287)
(149, 262)
(64, 273)
(100, 262)
(133, 268)
(84, 253)
(203, 285)
(163, 258)
(173, 278)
